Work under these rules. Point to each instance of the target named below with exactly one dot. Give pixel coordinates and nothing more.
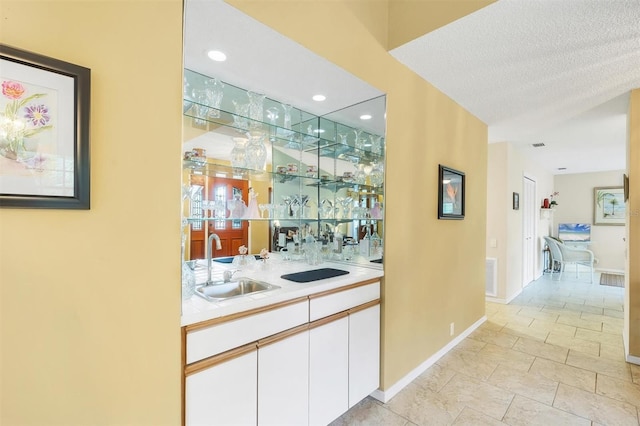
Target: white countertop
(198, 309)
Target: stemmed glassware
(263, 208)
(287, 203)
(360, 141)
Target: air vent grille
(537, 145)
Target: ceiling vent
(537, 145)
(562, 168)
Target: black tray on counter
(314, 275)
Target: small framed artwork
(609, 207)
(516, 201)
(44, 132)
(450, 193)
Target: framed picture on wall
(450, 193)
(609, 207)
(44, 132)
(516, 201)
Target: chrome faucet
(210, 253)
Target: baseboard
(503, 301)
(633, 359)
(386, 395)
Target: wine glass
(262, 208)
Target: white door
(283, 382)
(328, 371)
(529, 231)
(364, 353)
(225, 394)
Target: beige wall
(409, 19)
(632, 280)
(575, 205)
(506, 169)
(89, 309)
(434, 269)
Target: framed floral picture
(609, 207)
(450, 193)
(44, 132)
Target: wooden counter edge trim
(363, 306)
(242, 314)
(282, 335)
(327, 320)
(218, 359)
(344, 288)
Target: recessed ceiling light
(319, 98)
(216, 55)
(365, 117)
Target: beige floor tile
(369, 413)
(524, 331)
(611, 328)
(470, 345)
(491, 325)
(584, 308)
(507, 357)
(494, 337)
(531, 385)
(580, 345)
(618, 389)
(469, 416)
(526, 412)
(598, 336)
(635, 373)
(537, 313)
(617, 369)
(468, 363)
(580, 323)
(595, 407)
(604, 318)
(513, 319)
(463, 391)
(558, 372)
(541, 349)
(614, 313)
(435, 377)
(559, 311)
(612, 352)
(553, 327)
(422, 406)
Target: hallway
(553, 356)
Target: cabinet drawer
(205, 342)
(329, 303)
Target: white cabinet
(283, 380)
(328, 369)
(224, 393)
(364, 353)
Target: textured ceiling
(550, 71)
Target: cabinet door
(364, 353)
(328, 371)
(225, 394)
(283, 382)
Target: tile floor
(553, 356)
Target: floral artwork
(25, 114)
(44, 131)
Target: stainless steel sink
(218, 291)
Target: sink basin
(239, 287)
